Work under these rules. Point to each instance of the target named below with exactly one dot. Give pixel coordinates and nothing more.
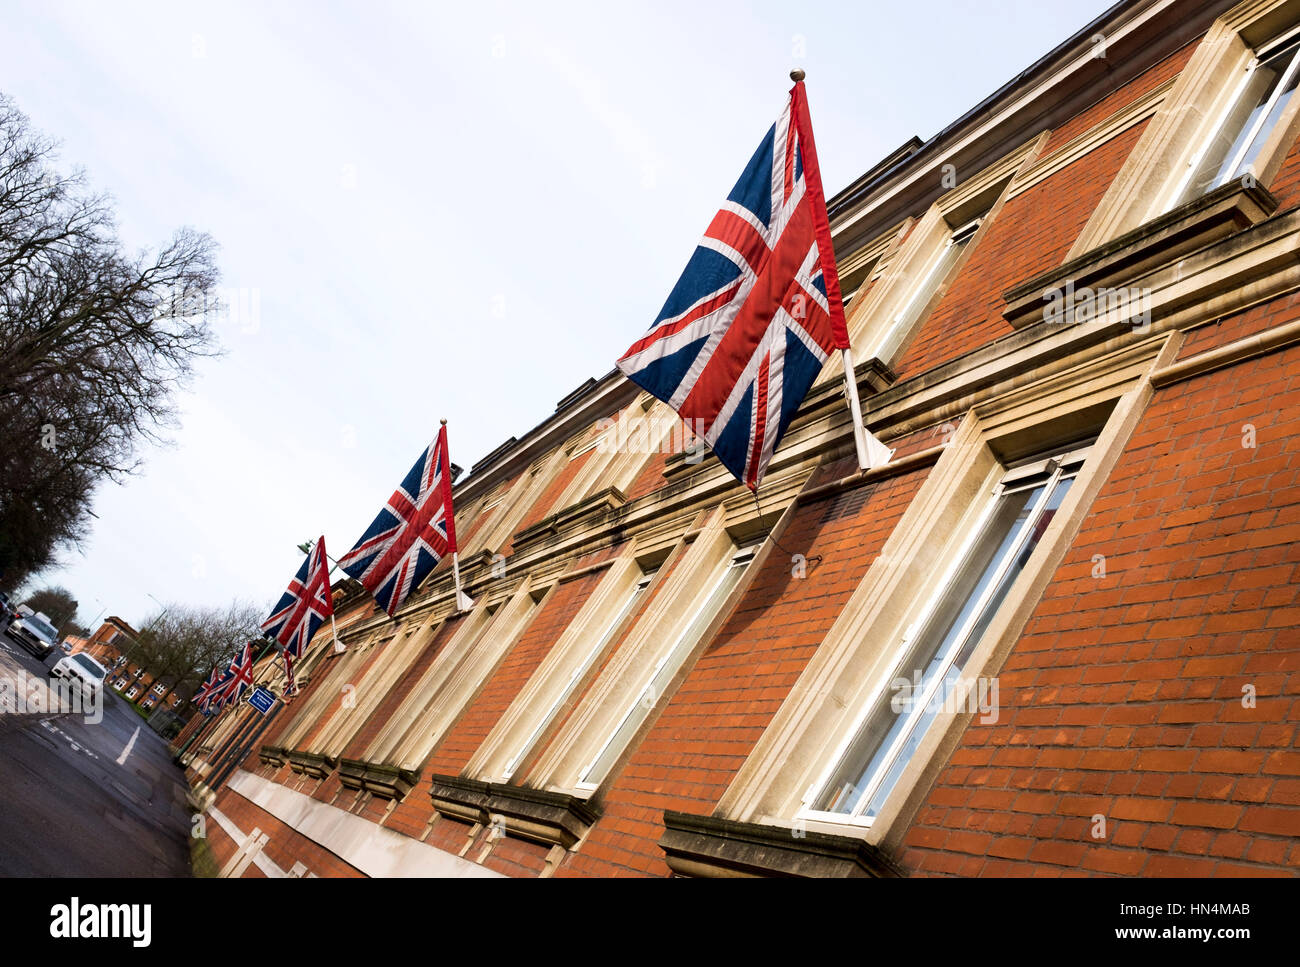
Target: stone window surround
(1188, 115)
(706, 548)
(402, 646)
(545, 686)
(308, 715)
(860, 647)
(454, 677)
(901, 264)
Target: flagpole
(871, 452)
(455, 573)
(463, 601)
(855, 409)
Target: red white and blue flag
(412, 533)
(203, 696)
(302, 608)
(216, 700)
(754, 317)
(238, 677)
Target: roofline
(1143, 31)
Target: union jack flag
(302, 608)
(411, 534)
(754, 317)
(238, 677)
(217, 683)
(203, 695)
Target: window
(926, 675)
(159, 688)
(1246, 124)
(132, 692)
(934, 275)
(648, 696)
(597, 648)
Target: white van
(82, 669)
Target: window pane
(1274, 114)
(1216, 165)
(955, 625)
(920, 719)
(596, 649)
(926, 650)
(925, 289)
(650, 696)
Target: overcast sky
(435, 210)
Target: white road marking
(48, 726)
(121, 760)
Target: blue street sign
(261, 699)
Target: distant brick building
(111, 645)
(1058, 633)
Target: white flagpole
(463, 601)
(855, 409)
(871, 452)
(339, 647)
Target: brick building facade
(111, 645)
(1057, 634)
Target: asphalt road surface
(80, 798)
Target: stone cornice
(1227, 210)
(554, 818)
(1219, 279)
(706, 846)
(1137, 35)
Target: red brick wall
(1148, 81)
(1032, 233)
(1286, 185)
(286, 718)
(545, 504)
(712, 722)
(1124, 696)
(285, 847)
(336, 683)
(499, 691)
(399, 692)
(1266, 315)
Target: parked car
(35, 633)
(81, 669)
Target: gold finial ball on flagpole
(797, 75)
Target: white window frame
(891, 339)
(1194, 162)
(671, 660)
(579, 671)
(1061, 466)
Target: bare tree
(94, 343)
(182, 644)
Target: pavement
(83, 798)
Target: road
(82, 798)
